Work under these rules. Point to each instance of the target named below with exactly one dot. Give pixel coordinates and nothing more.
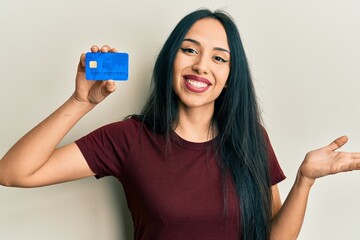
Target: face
(202, 64)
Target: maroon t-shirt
(173, 191)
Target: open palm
(326, 160)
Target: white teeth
(196, 83)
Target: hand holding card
(106, 66)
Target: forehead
(208, 31)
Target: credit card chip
(93, 64)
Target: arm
(288, 220)
(34, 160)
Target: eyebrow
(198, 43)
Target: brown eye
(189, 50)
(220, 59)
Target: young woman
(196, 163)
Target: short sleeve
(106, 148)
(276, 173)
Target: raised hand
(35, 160)
(92, 92)
(326, 160)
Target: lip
(198, 79)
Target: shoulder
(115, 135)
(129, 122)
(264, 132)
(128, 126)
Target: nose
(200, 66)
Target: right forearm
(34, 149)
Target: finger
(94, 48)
(355, 156)
(338, 143)
(355, 163)
(110, 87)
(105, 48)
(114, 50)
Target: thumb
(108, 88)
(338, 143)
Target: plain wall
(304, 57)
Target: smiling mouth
(196, 84)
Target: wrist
(303, 181)
(80, 107)
(83, 104)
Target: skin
(36, 161)
(199, 56)
(318, 163)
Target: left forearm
(318, 163)
(287, 222)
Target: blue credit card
(106, 66)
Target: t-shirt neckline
(175, 138)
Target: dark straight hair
(242, 148)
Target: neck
(195, 124)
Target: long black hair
(241, 146)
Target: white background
(304, 57)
